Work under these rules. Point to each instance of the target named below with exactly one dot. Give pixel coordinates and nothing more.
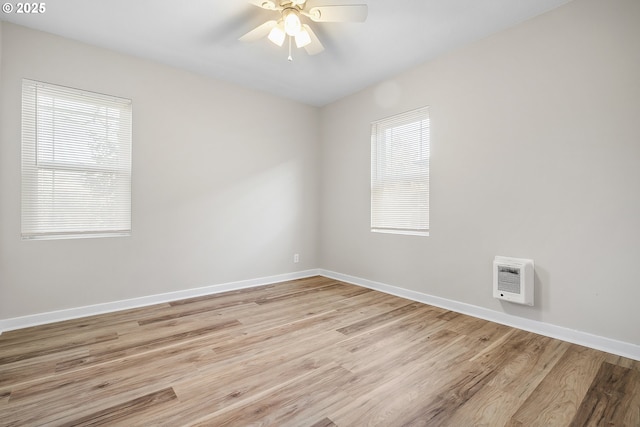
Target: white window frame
(400, 151)
(76, 163)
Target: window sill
(406, 232)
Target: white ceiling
(202, 36)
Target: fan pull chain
(290, 58)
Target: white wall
(223, 189)
(535, 154)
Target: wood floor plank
(381, 374)
(491, 406)
(454, 388)
(4, 398)
(496, 403)
(325, 422)
(35, 368)
(381, 396)
(448, 406)
(380, 319)
(395, 345)
(280, 313)
(196, 308)
(121, 412)
(90, 324)
(479, 333)
(244, 380)
(307, 352)
(525, 370)
(623, 361)
(120, 380)
(612, 400)
(302, 293)
(30, 352)
(353, 309)
(125, 349)
(298, 401)
(252, 294)
(557, 398)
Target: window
(400, 174)
(76, 163)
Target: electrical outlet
(296, 258)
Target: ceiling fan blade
(265, 4)
(315, 46)
(344, 13)
(259, 32)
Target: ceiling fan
(290, 22)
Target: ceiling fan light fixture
(292, 24)
(277, 34)
(303, 38)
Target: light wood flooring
(308, 352)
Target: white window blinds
(76, 163)
(400, 173)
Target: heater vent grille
(508, 279)
(513, 280)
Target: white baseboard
(109, 307)
(608, 345)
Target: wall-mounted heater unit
(513, 279)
